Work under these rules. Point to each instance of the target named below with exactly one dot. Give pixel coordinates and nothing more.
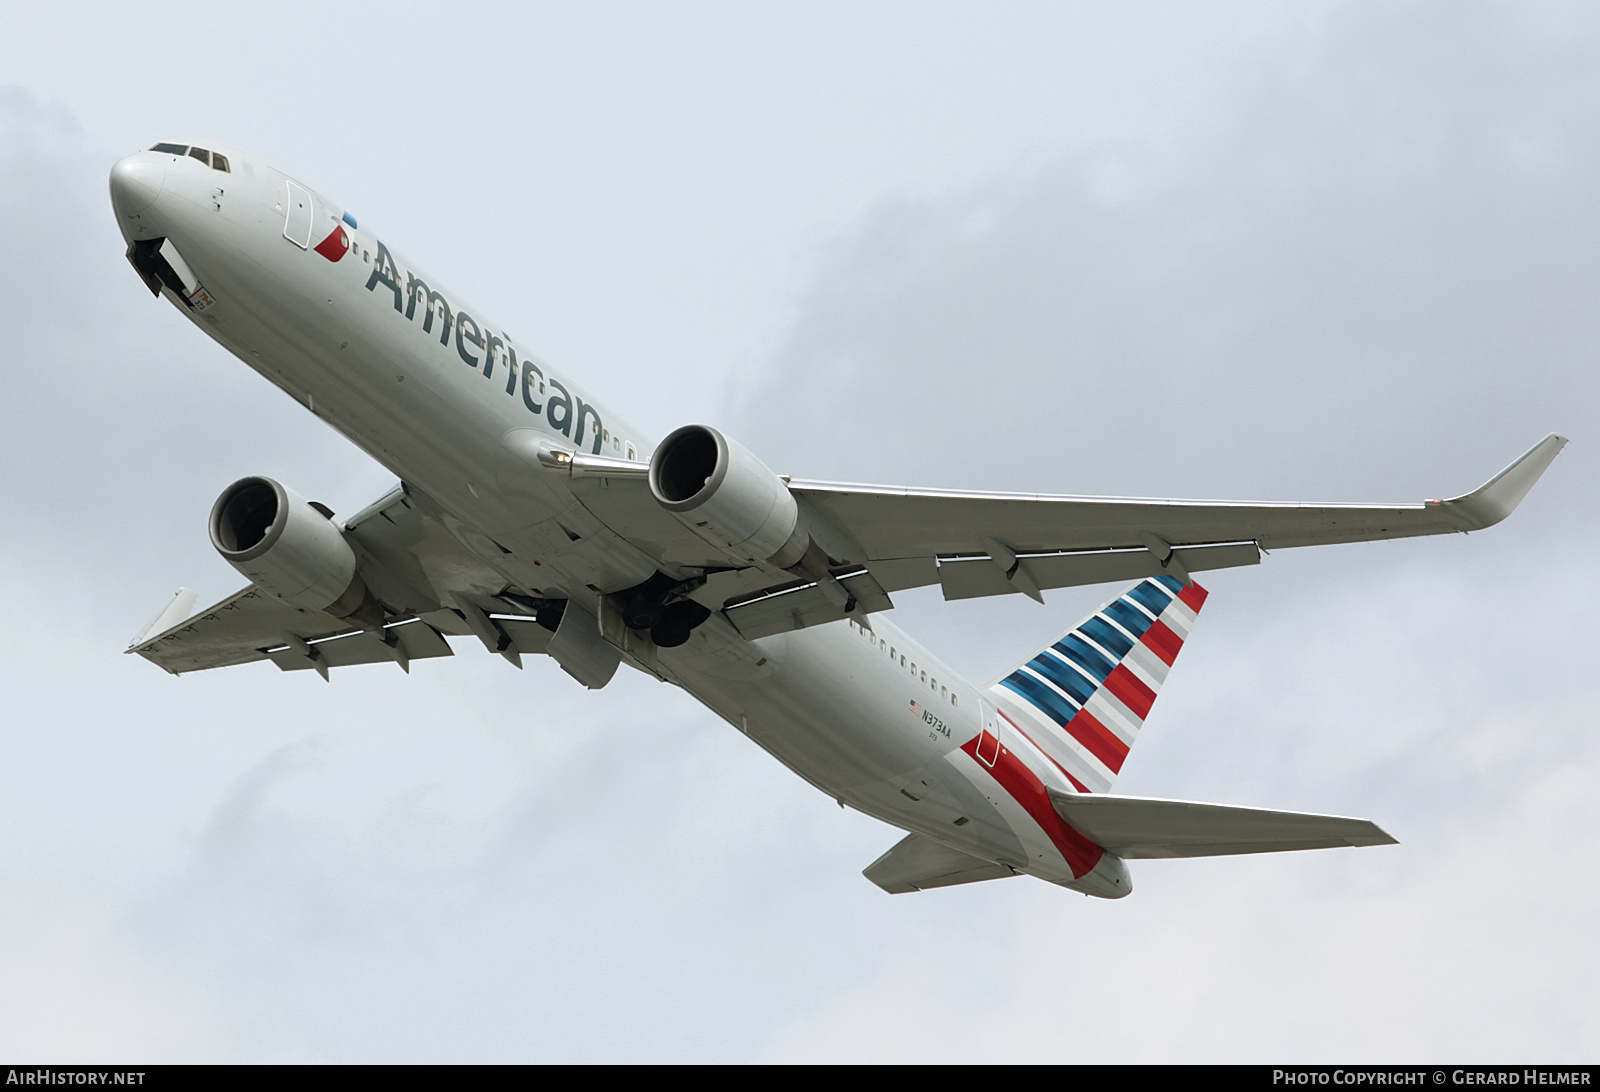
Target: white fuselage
(448, 406)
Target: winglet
(1499, 496)
(176, 610)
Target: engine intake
(291, 548)
(728, 497)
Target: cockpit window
(175, 149)
(201, 154)
(220, 162)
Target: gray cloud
(1367, 266)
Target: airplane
(529, 516)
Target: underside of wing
(891, 521)
(252, 625)
(430, 584)
(238, 630)
(976, 544)
(882, 539)
(916, 863)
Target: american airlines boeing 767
(532, 518)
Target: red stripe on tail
(1026, 789)
(1130, 691)
(1079, 785)
(1162, 641)
(1099, 740)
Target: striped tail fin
(1082, 700)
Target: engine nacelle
(285, 546)
(727, 496)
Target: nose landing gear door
(297, 216)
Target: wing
(436, 586)
(911, 536)
(881, 539)
(888, 538)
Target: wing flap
(415, 639)
(1135, 827)
(797, 606)
(972, 577)
(916, 863)
(526, 634)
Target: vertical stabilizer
(1082, 700)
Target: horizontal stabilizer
(1133, 827)
(917, 863)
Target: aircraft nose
(136, 182)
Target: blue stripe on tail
(1129, 617)
(1105, 635)
(1079, 651)
(1040, 696)
(1073, 684)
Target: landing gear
(547, 612)
(677, 622)
(644, 605)
(659, 607)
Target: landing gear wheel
(642, 614)
(670, 632)
(678, 620)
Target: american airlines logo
(566, 412)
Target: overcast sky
(1326, 251)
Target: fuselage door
(297, 216)
(988, 749)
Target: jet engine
(727, 496)
(291, 548)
